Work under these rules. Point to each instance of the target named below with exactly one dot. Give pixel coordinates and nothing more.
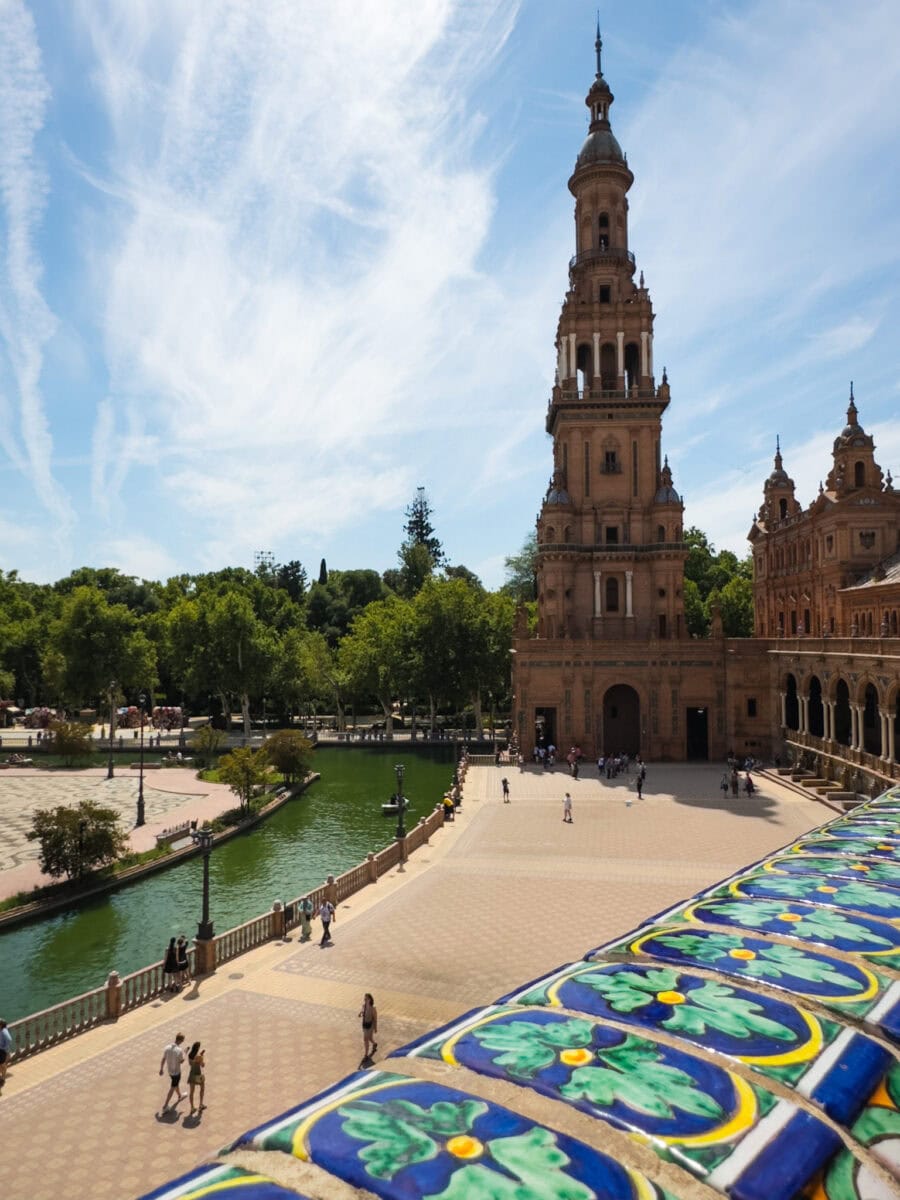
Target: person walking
(369, 1017)
(196, 1075)
(182, 962)
(567, 809)
(170, 967)
(504, 783)
(639, 784)
(5, 1050)
(172, 1059)
(326, 915)
(306, 913)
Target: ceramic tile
(878, 1126)
(404, 1138)
(854, 896)
(837, 867)
(869, 847)
(834, 1065)
(690, 1110)
(841, 986)
(874, 940)
(228, 1182)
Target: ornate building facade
(611, 666)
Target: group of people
(176, 965)
(731, 777)
(612, 765)
(172, 1062)
(326, 914)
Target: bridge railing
(120, 995)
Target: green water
(328, 829)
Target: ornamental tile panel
(832, 1064)
(687, 1109)
(837, 867)
(842, 986)
(400, 1138)
(231, 1183)
(850, 896)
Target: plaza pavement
(172, 796)
(503, 895)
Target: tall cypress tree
(419, 530)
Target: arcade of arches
(610, 666)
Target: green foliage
(399, 1133)
(521, 571)
(244, 770)
(716, 580)
(206, 742)
(75, 840)
(289, 753)
(420, 531)
(71, 741)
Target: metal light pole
(401, 828)
(142, 699)
(113, 688)
(204, 839)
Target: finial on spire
(851, 389)
(642, 278)
(598, 45)
(665, 376)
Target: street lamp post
(401, 827)
(204, 839)
(113, 687)
(140, 801)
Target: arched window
(632, 365)
(608, 366)
(603, 231)
(584, 364)
(782, 508)
(612, 595)
(859, 474)
(660, 533)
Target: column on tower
(629, 578)
(598, 596)
(620, 359)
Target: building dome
(600, 146)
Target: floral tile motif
(862, 827)
(833, 1065)
(837, 867)
(687, 1109)
(403, 1138)
(870, 847)
(878, 1126)
(877, 941)
(856, 895)
(224, 1181)
(844, 987)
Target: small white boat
(391, 808)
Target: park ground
(503, 895)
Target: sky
(266, 268)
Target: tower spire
(598, 46)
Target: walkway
(172, 796)
(502, 896)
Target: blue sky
(267, 267)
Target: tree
(327, 675)
(416, 566)
(419, 530)
(323, 573)
(521, 571)
(375, 653)
(76, 840)
(206, 743)
(292, 577)
(244, 770)
(290, 753)
(71, 740)
(461, 572)
(736, 605)
(695, 615)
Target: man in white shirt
(326, 913)
(172, 1058)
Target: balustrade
(53, 1025)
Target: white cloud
(26, 323)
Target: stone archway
(621, 720)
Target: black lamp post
(142, 699)
(401, 828)
(113, 687)
(204, 839)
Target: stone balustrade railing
(63, 1021)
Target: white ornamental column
(892, 748)
(804, 714)
(561, 360)
(883, 726)
(573, 370)
(854, 726)
(620, 355)
(597, 594)
(628, 580)
(828, 722)
(644, 356)
(597, 357)
(782, 696)
(650, 354)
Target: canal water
(327, 830)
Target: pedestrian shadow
(192, 1120)
(168, 1116)
(365, 1063)
(755, 806)
(194, 993)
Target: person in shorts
(172, 1059)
